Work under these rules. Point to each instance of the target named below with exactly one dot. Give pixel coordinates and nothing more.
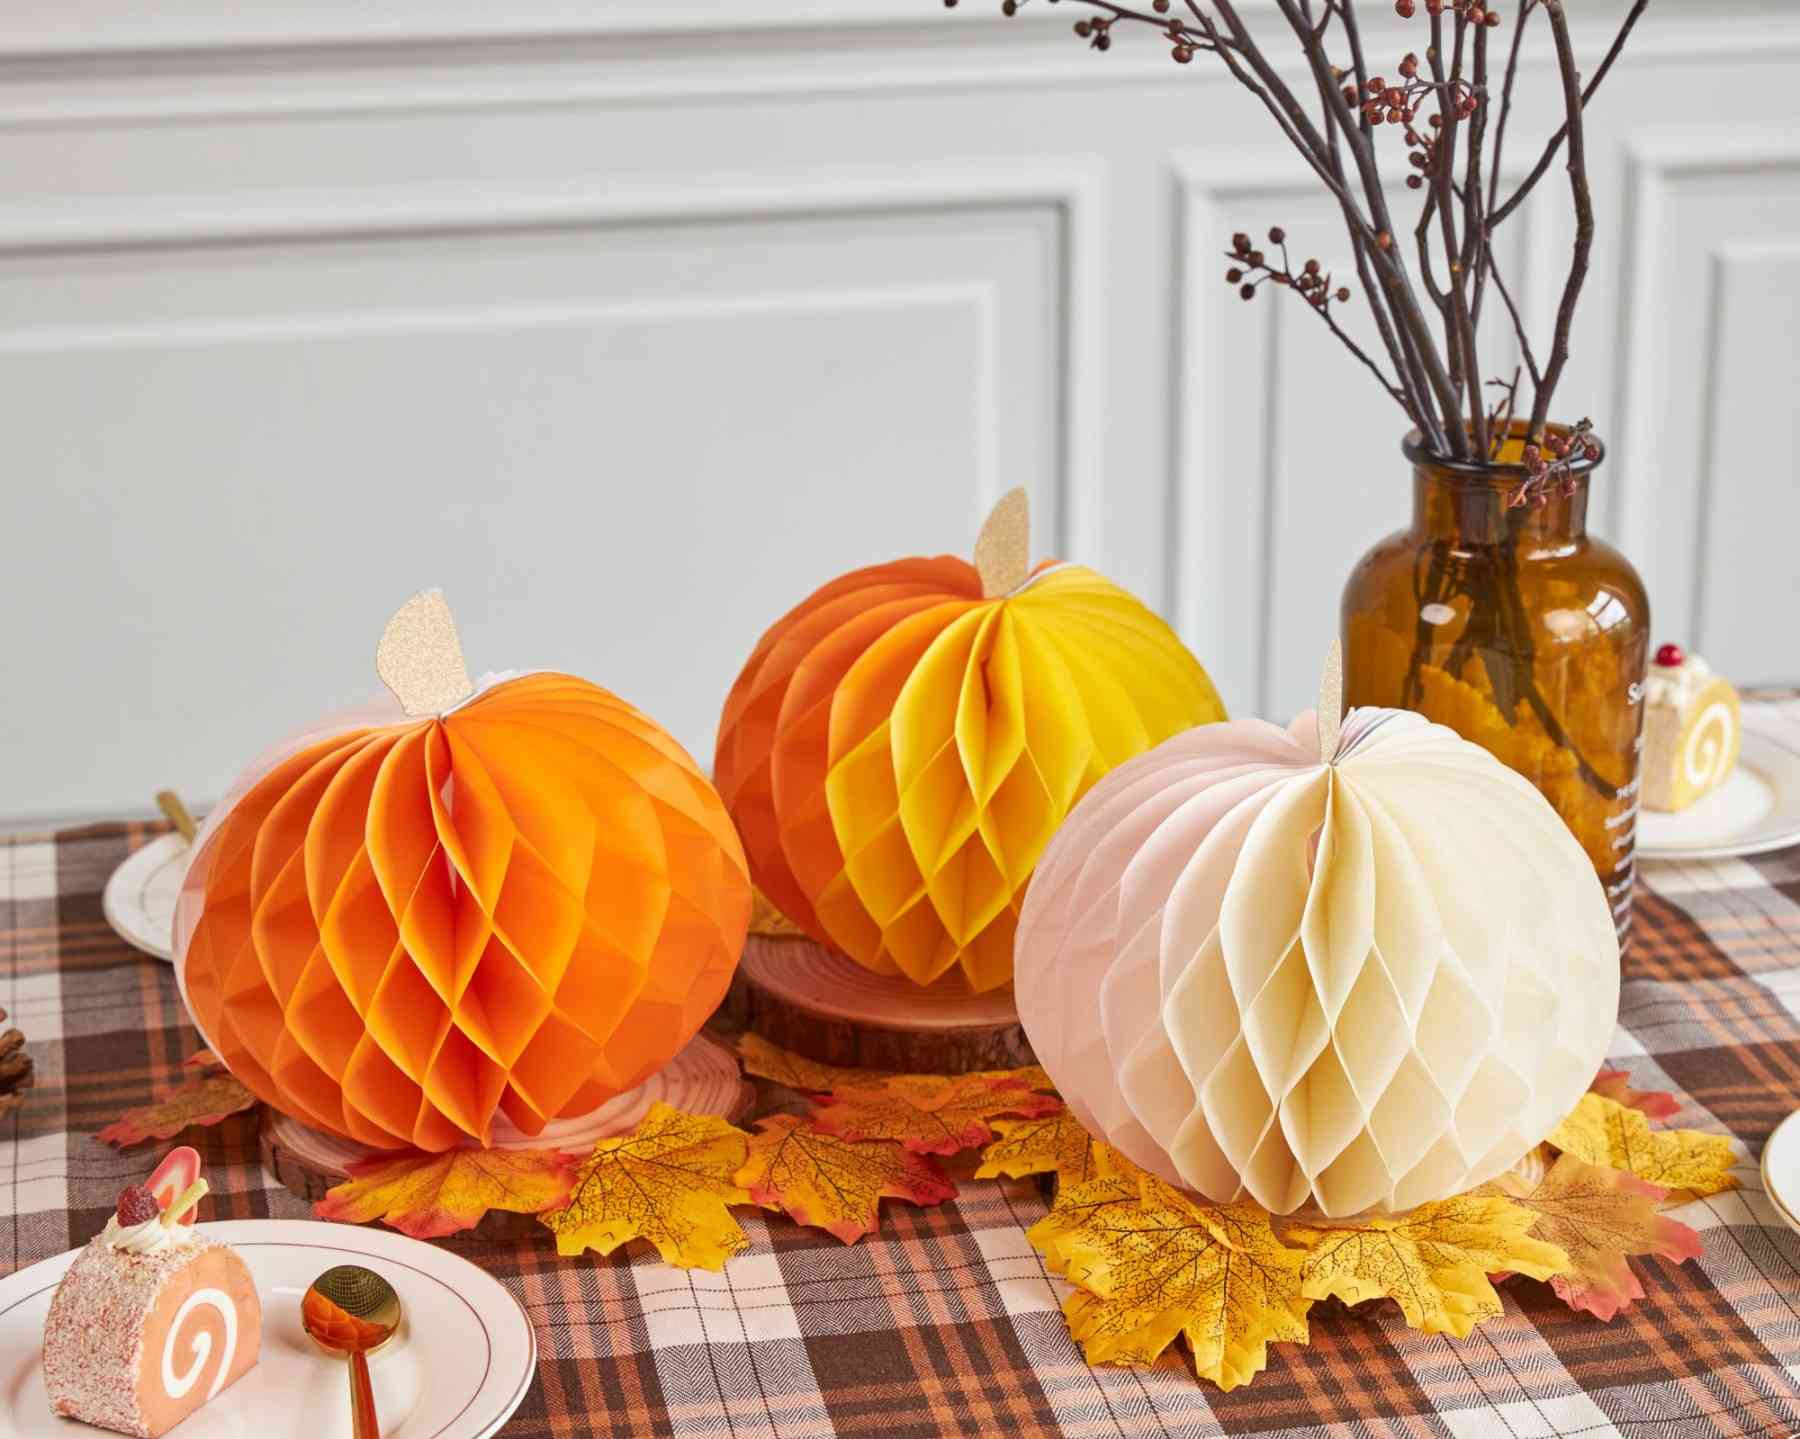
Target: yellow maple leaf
(832, 1183)
(671, 1181)
(1615, 1136)
(934, 1114)
(1434, 1261)
(796, 1071)
(765, 918)
(1600, 1217)
(1052, 1143)
(1156, 1264)
(209, 1099)
(431, 1195)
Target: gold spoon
(170, 804)
(351, 1311)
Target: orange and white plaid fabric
(946, 1323)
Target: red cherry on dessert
(1670, 656)
(137, 1205)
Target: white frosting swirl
(176, 1385)
(1708, 755)
(150, 1237)
(1677, 685)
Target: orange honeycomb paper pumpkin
(509, 912)
(901, 745)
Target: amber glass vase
(1514, 627)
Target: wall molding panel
(751, 293)
(1703, 202)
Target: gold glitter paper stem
(420, 657)
(1003, 548)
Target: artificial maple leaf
(671, 1182)
(1434, 1262)
(430, 1195)
(206, 1100)
(835, 1184)
(766, 919)
(1053, 1143)
(1604, 1132)
(795, 1071)
(205, 1061)
(932, 1114)
(1599, 1217)
(1615, 1084)
(1155, 1264)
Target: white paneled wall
(628, 322)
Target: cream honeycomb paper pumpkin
(1342, 985)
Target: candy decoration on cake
(1341, 971)
(1692, 730)
(501, 904)
(151, 1321)
(902, 744)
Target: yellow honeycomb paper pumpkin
(411, 930)
(901, 745)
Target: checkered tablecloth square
(946, 1322)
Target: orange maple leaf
(430, 1195)
(1599, 1217)
(932, 1114)
(205, 1061)
(835, 1184)
(1615, 1084)
(208, 1100)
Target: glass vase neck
(1473, 503)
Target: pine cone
(15, 1070)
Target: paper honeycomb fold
(899, 750)
(520, 908)
(1343, 987)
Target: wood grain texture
(703, 1079)
(803, 997)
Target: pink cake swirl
(150, 1322)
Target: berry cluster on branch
(1443, 99)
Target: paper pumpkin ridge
(810, 1001)
(900, 746)
(397, 928)
(1354, 985)
(420, 656)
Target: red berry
(137, 1204)
(1670, 656)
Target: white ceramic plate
(459, 1368)
(139, 899)
(1781, 1169)
(1757, 809)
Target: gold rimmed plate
(459, 1368)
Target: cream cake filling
(1677, 685)
(150, 1237)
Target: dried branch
(1493, 270)
(1433, 373)
(1556, 141)
(1584, 218)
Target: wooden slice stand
(805, 998)
(703, 1079)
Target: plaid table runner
(946, 1322)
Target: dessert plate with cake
(1718, 780)
(160, 1325)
